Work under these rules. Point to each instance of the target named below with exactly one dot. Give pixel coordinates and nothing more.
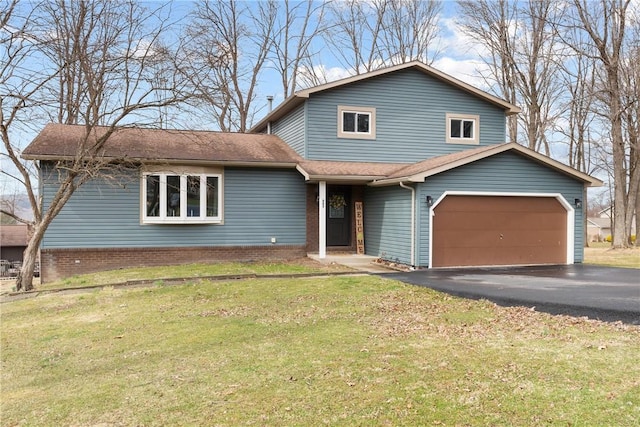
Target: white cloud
(468, 70)
(453, 41)
(321, 74)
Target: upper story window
(463, 129)
(356, 122)
(181, 197)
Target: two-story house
(405, 163)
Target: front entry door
(338, 216)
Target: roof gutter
(413, 222)
(48, 157)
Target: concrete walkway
(364, 263)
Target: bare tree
(409, 31)
(605, 25)
(354, 33)
(631, 123)
(578, 78)
(370, 34)
(521, 55)
(104, 77)
(297, 26)
(489, 22)
(228, 44)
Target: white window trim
(466, 117)
(358, 110)
(183, 173)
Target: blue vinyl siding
(410, 119)
(291, 129)
(387, 219)
(258, 204)
(505, 172)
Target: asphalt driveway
(605, 293)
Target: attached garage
(484, 230)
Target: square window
(462, 129)
(356, 122)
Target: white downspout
(413, 222)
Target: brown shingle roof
(323, 168)
(435, 162)
(13, 235)
(160, 145)
(59, 141)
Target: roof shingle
(13, 235)
(57, 141)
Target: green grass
(598, 253)
(312, 351)
(192, 271)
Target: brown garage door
(499, 230)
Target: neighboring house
(605, 217)
(404, 163)
(598, 229)
(13, 242)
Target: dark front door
(338, 216)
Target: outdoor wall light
(429, 200)
(578, 203)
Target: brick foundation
(60, 263)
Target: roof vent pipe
(270, 101)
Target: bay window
(175, 198)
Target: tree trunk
(24, 281)
(637, 211)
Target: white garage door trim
(570, 215)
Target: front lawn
(195, 271)
(308, 351)
(603, 254)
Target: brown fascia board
(561, 167)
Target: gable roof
(57, 142)
(381, 174)
(600, 222)
(418, 172)
(299, 97)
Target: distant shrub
(632, 238)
